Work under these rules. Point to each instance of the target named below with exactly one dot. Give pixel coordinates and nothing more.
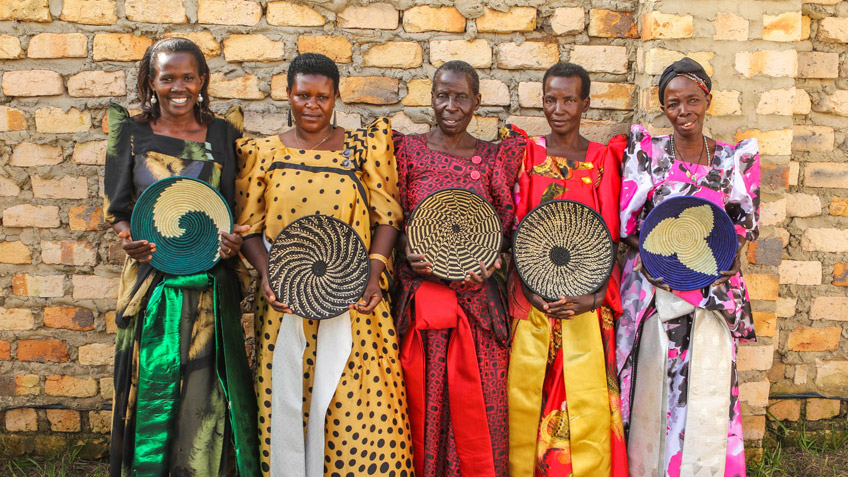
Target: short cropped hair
(569, 70)
(459, 66)
(313, 64)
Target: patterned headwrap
(686, 68)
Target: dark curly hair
(459, 66)
(313, 64)
(147, 69)
(569, 70)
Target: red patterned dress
(453, 435)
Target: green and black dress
(191, 412)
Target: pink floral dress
(650, 175)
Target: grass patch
(64, 464)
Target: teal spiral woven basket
(182, 216)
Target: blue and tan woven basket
(182, 216)
(687, 241)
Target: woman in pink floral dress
(657, 331)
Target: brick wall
(776, 67)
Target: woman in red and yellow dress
(565, 413)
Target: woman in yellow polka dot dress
(335, 389)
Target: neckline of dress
(337, 151)
(592, 144)
(205, 141)
(690, 164)
(478, 143)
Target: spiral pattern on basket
(686, 236)
(455, 229)
(318, 266)
(563, 248)
(182, 216)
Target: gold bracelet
(377, 256)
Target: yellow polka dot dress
(366, 429)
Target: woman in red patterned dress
(455, 335)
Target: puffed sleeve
(250, 187)
(636, 179)
(504, 176)
(380, 175)
(609, 189)
(118, 177)
(521, 191)
(743, 203)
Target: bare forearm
(254, 251)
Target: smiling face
(312, 99)
(686, 106)
(453, 101)
(176, 83)
(562, 104)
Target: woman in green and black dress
(170, 411)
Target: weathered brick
(803, 205)
(817, 64)
(418, 92)
(831, 376)
(533, 125)
(254, 121)
(730, 27)
(762, 286)
(85, 217)
(12, 119)
(70, 386)
(90, 84)
(229, 12)
(725, 103)
(568, 20)
(786, 306)
(403, 123)
(394, 54)
(58, 45)
(279, 83)
(755, 393)
(68, 252)
(818, 409)
(119, 46)
(772, 143)
(77, 319)
(839, 207)
(155, 11)
(611, 95)
(772, 212)
(240, 87)
(204, 39)
(512, 20)
(45, 286)
(423, 18)
(794, 174)
(528, 55)
(765, 252)
(478, 53)
(483, 128)
(765, 323)
(804, 338)
(600, 59)
(111, 327)
(812, 138)
(799, 272)
(337, 48)
(96, 354)
(25, 10)
(26, 215)
(658, 25)
(835, 103)
(64, 420)
(57, 121)
(43, 351)
(89, 12)
(786, 410)
(494, 92)
(756, 358)
(94, 287)
(774, 63)
(5, 350)
(783, 27)
(612, 24)
(753, 427)
(9, 188)
(27, 385)
(21, 420)
(16, 319)
(377, 16)
(825, 240)
(10, 47)
(829, 308)
(32, 83)
(833, 29)
(658, 59)
(64, 188)
(840, 274)
(530, 94)
(806, 22)
(826, 174)
(776, 101)
(15, 252)
(253, 48)
(100, 421)
(369, 90)
(90, 153)
(293, 14)
(107, 388)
